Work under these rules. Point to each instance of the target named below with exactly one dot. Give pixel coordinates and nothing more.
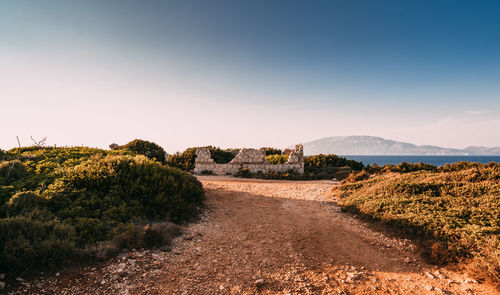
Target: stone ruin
(252, 159)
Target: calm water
(434, 160)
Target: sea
(433, 160)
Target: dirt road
(268, 237)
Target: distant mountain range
(371, 145)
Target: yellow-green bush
(12, 170)
(314, 163)
(71, 198)
(42, 167)
(99, 194)
(455, 211)
(25, 202)
(146, 148)
(277, 159)
(184, 160)
(272, 151)
(28, 244)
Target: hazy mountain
(481, 150)
(370, 145)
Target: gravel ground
(267, 237)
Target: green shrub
(70, 198)
(43, 166)
(312, 163)
(357, 176)
(401, 168)
(98, 194)
(25, 202)
(146, 148)
(221, 156)
(413, 167)
(277, 159)
(27, 244)
(158, 234)
(184, 161)
(329, 166)
(272, 151)
(289, 175)
(12, 169)
(342, 173)
(3, 155)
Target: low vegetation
(146, 148)
(277, 159)
(313, 163)
(77, 203)
(454, 209)
(288, 175)
(272, 151)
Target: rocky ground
(267, 237)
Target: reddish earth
(268, 237)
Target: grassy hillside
(66, 204)
(454, 209)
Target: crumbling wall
(252, 159)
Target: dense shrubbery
(329, 166)
(103, 193)
(413, 167)
(272, 151)
(401, 168)
(158, 234)
(322, 161)
(12, 170)
(277, 159)
(24, 203)
(289, 175)
(356, 176)
(339, 173)
(64, 200)
(43, 166)
(455, 209)
(221, 156)
(146, 148)
(184, 160)
(315, 167)
(28, 243)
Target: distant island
(372, 145)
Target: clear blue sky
(253, 73)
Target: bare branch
(40, 143)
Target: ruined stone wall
(252, 159)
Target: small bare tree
(40, 143)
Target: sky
(249, 73)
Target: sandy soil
(267, 237)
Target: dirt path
(268, 237)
